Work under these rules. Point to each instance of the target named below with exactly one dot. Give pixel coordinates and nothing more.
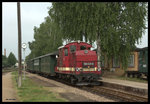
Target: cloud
(32, 14)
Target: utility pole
(19, 46)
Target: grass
(32, 92)
(4, 70)
(109, 74)
(132, 79)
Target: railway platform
(128, 86)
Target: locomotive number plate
(90, 69)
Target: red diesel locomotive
(74, 62)
(77, 62)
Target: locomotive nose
(86, 55)
(85, 51)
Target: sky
(32, 14)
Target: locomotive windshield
(72, 48)
(82, 47)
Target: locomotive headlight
(99, 69)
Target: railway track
(116, 94)
(112, 93)
(109, 92)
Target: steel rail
(108, 92)
(117, 94)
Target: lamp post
(24, 46)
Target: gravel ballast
(72, 94)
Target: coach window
(82, 47)
(66, 52)
(72, 48)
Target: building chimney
(4, 52)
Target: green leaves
(47, 39)
(119, 24)
(11, 59)
(4, 61)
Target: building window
(66, 52)
(72, 48)
(131, 61)
(116, 63)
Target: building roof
(141, 49)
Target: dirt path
(8, 90)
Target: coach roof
(49, 54)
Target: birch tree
(115, 26)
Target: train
(74, 62)
(137, 64)
(142, 64)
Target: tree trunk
(98, 51)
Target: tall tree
(11, 59)
(116, 26)
(47, 39)
(4, 61)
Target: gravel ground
(70, 93)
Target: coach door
(60, 59)
(72, 58)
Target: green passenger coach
(143, 61)
(44, 64)
(47, 64)
(36, 65)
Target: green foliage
(116, 26)
(11, 59)
(47, 39)
(4, 61)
